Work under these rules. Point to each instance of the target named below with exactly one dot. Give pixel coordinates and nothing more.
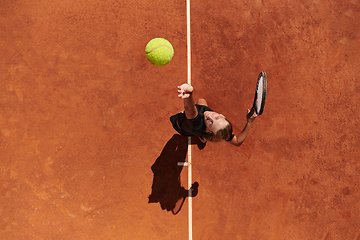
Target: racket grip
(251, 112)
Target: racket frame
(262, 74)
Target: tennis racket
(260, 94)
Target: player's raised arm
(186, 92)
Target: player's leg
(201, 101)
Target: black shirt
(190, 127)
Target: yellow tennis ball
(159, 51)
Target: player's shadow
(166, 187)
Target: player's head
(217, 127)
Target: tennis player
(201, 121)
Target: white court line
(188, 43)
(189, 139)
(189, 187)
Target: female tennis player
(201, 121)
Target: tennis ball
(159, 51)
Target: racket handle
(251, 112)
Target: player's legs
(201, 101)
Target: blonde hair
(222, 134)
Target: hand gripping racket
(260, 94)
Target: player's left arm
(240, 138)
(186, 92)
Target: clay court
(85, 135)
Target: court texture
(85, 136)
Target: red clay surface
(84, 116)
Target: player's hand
(185, 90)
(251, 115)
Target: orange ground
(84, 116)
